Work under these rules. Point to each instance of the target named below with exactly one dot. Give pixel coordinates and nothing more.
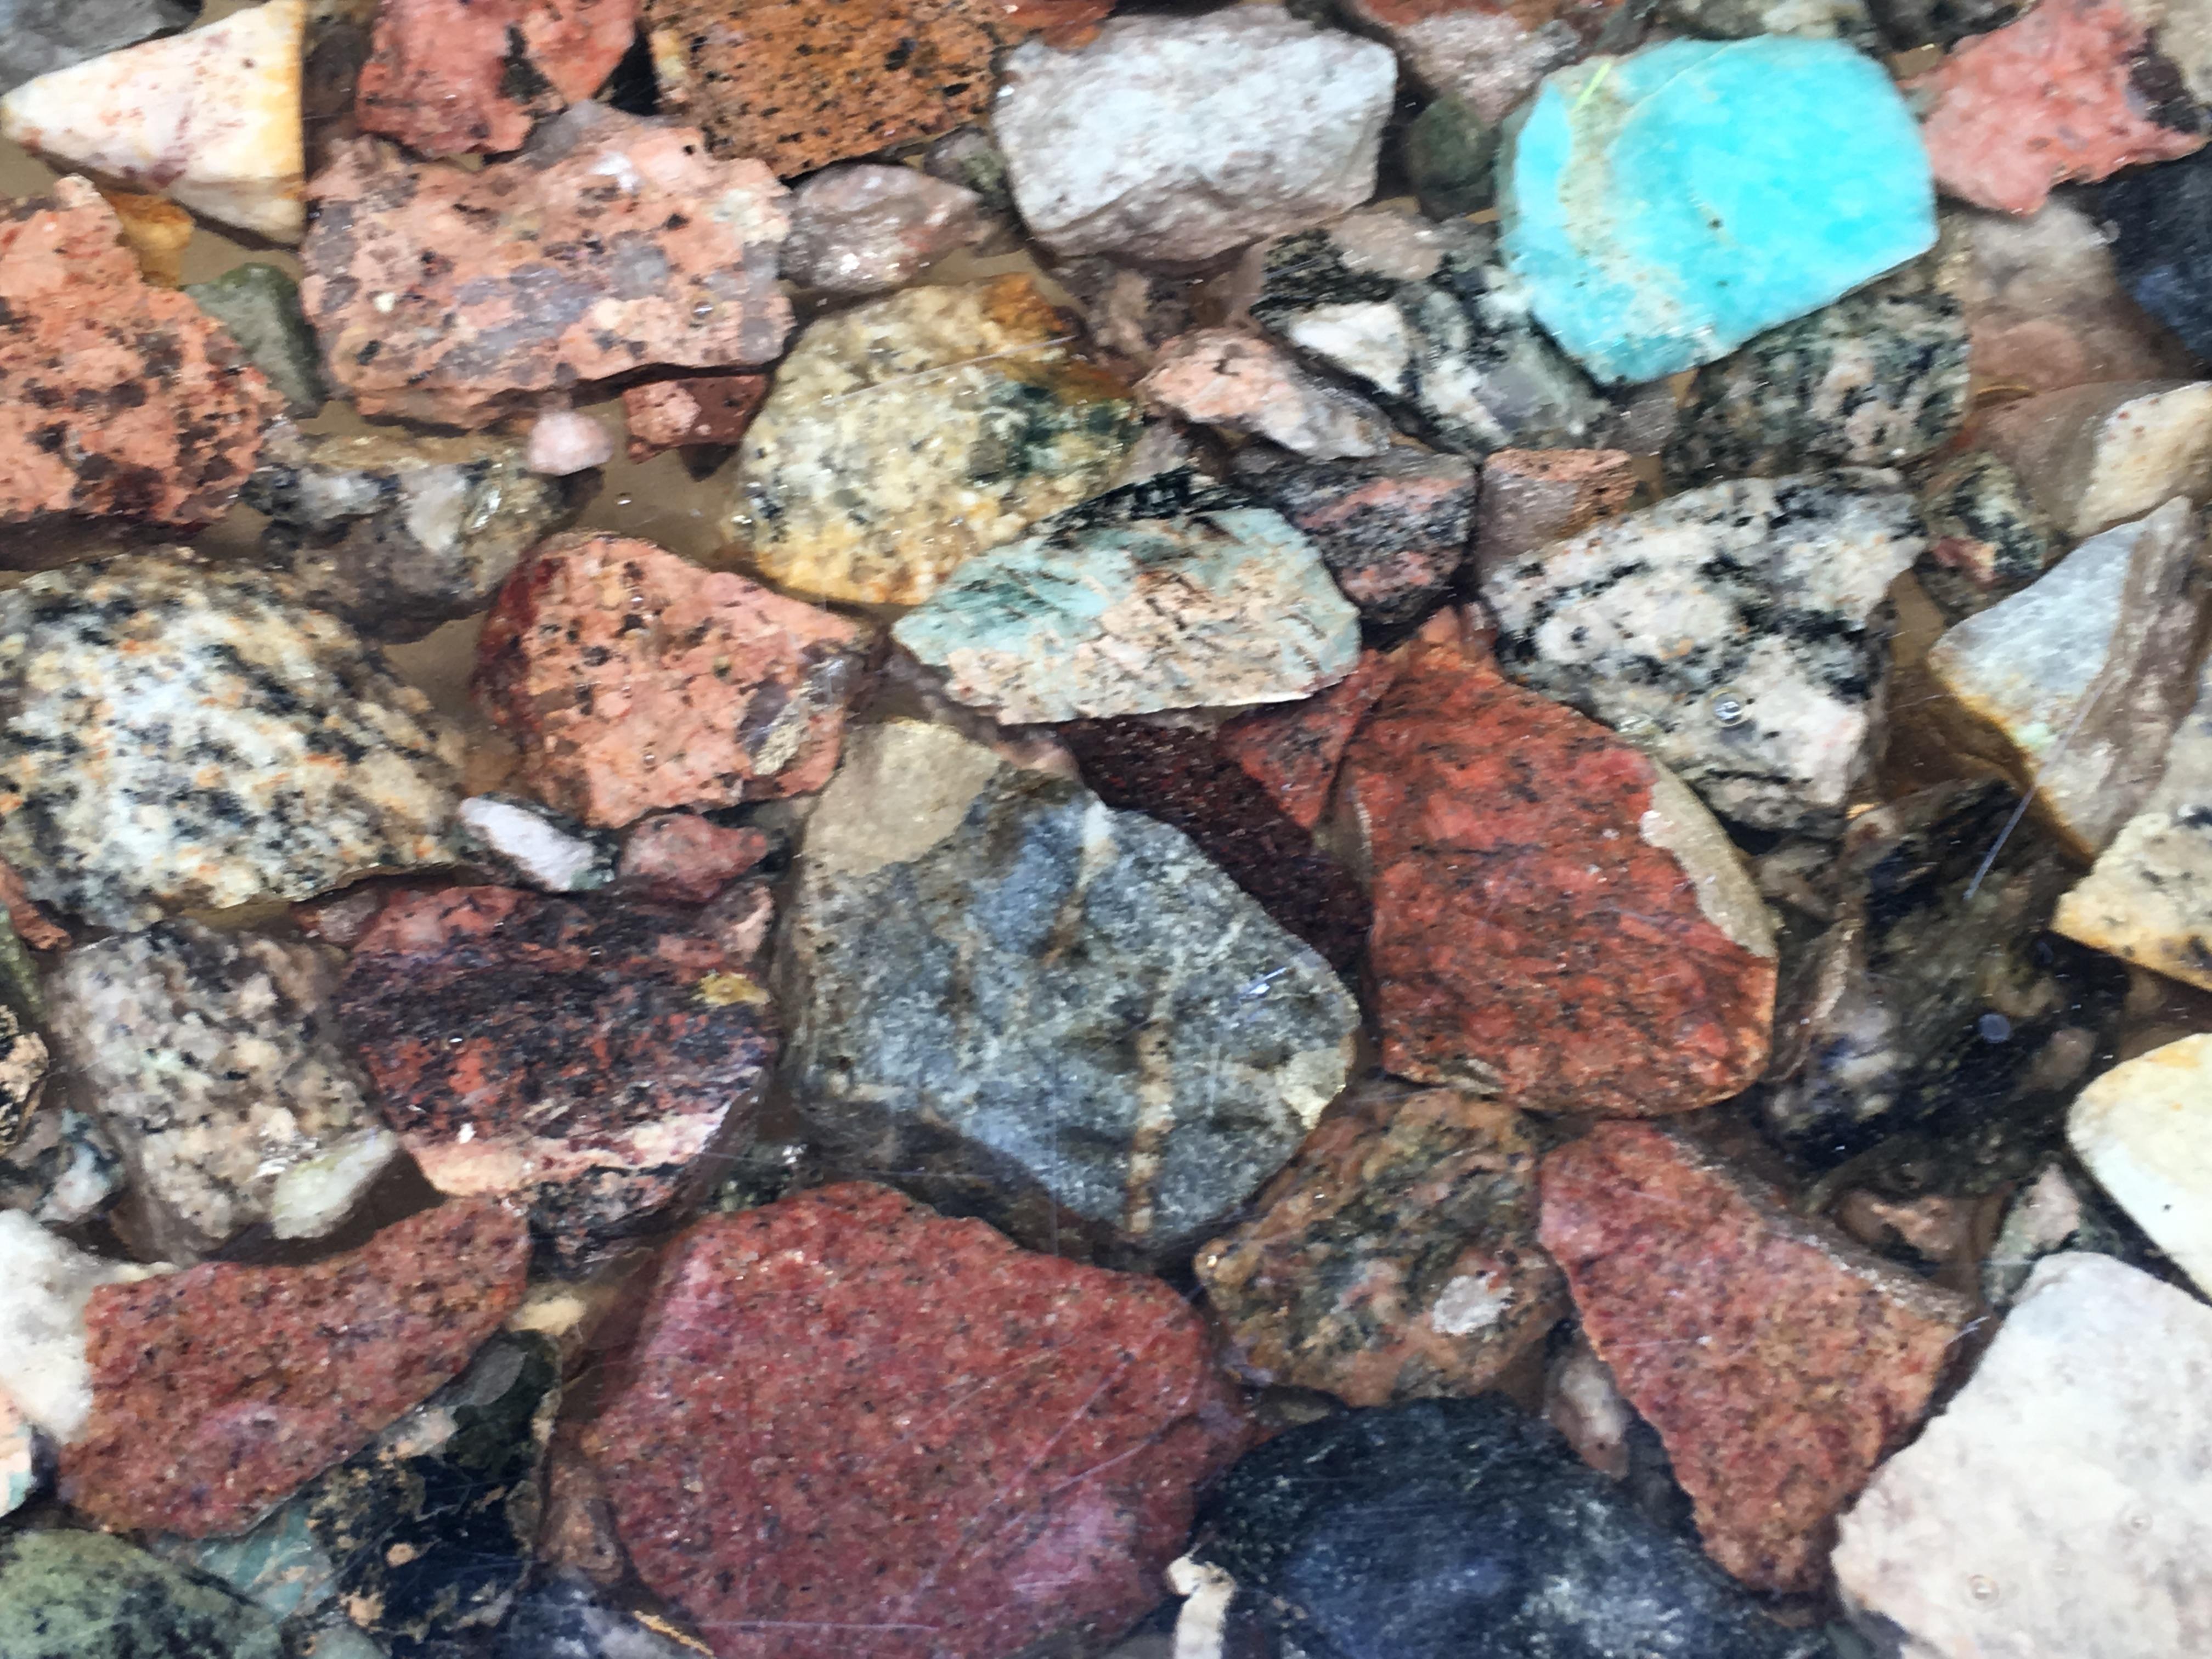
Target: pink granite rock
(613, 243)
(1225, 377)
(447, 77)
(702, 409)
(680, 857)
(865, 227)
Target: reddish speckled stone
(704, 408)
(1294, 748)
(1779, 1362)
(634, 680)
(1526, 935)
(850, 1426)
(680, 857)
(219, 1390)
(447, 77)
(1394, 529)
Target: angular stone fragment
(2163, 247)
(2056, 1507)
(45, 1284)
(61, 1170)
(1293, 749)
(117, 398)
(2054, 1211)
(1739, 632)
(217, 1391)
(22, 1074)
(158, 232)
(566, 441)
(1131, 312)
(1487, 53)
(186, 737)
(909, 433)
(1393, 530)
(450, 77)
(2144, 1130)
(1450, 157)
(1531, 497)
(85, 1596)
(548, 850)
(432, 294)
(865, 227)
(1225, 377)
(702, 409)
(258, 306)
(2095, 456)
(1779, 1364)
(1986, 538)
(1848, 20)
(680, 857)
(1555, 919)
(38, 37)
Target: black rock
(2161, 218)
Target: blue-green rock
(1665, 207)
(87, 1595)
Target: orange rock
(450, 77)
(157, 230)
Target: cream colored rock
(2145, 1130)
(1225, 377)
(2095, 456)
(211, 119)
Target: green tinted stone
(87, 1595)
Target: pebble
(38, 37)
(1393, 530)
(912, 1449)
(456, 77)
(1637, 237)
(1294, 749)
(22, 1075)
(969, 157)
(1779, 1363)
(713, 410)
(217, 1391)
(864, 227)
(680, 857)
(1131, 313)
(911, 432)
(1145, 1076)
(547, 850)
(1253, 123)
(429, 288)
(1848, 20)
(47, 1281)
(2162, 247)
(19, 1457)
(258, 306)
(61, 1171)
(328, 765)
(564, 442)
(1487, 54)
(2144, 1130)
(1226, 377)
(1533, 497)
(85, 1596)
(2056, 1211)
(2095, 456)
(2056, 1506)
(1171, 593)
(1987, 539)
(1740, 632)
(1450, 157)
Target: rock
(773, 1378)
(1877, 379)
(1909, 23)
(1632, 235)
(1462, 1529)
(432, 294)
(452, 77)
(1393, 530)
(561, 1618)
(548, 850)
(1848, 20)
(258, 306)
(909, 433)
(85, 1595)
(680, 857)
(2075, 683)
(2162, 247)
(27, 925)
(2095, 456)
(1533, 497)
(22, 1074)
(1490, 55)
(61, 1170)
(698, 409)
(38, 37)
(1132, 314)
(1253, 122)
(213, 1062)
(577, 1060)
(1555, 919)
(47, 1281)
(634, 680)
(1293, 749)
(864, 227)
(219, 1390)
(1172, 593)
(396, 533)
(118, 399)
(2054, 1211)
(19, 1457)
(2144, 1130)
(2072, 90)
(1450, 159)
(562, 441)
(1225, 377)
(153, 667)
(1395, 1258)
(1739, 632)
(158, 232)
(1780, 1364)
(1986, 538)
(1162, 1060)
(2053, 1508)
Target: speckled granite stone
(447, 77)
(1293, 749)
(634, 680)
(1556, 920)
(1987, 539)
(1739, 632)
(219, 1390)
(1393, 530)
(847, 1413)
(40, 36)
(45, 1284)
(1778, 1363)
(1534, 496)
(866, 228)
(22, 1075)
(186, 736)
(117, 398)
(1227, 377)
(431, 290)
(909, 433)
(577, 1059)
(85, 1596)
(61, 1170)
(2095, 456)
(1491, 53)
(259, 307)
(701, 409)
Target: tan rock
(2095, 456)
(2144, 1130)
(158, 232)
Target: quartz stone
(2095, 456)
(1293, 749)
(1393, 530)
(1987, 539)
(45, 1284)
(258, 306)
(566, 441)
(1226, 377)
(1488, 53)
(85, 1596)
(38, 37)
(547, 850)
(865, 228)
(448, 77)
(1531, 497)
(22, 1075)
(2144, 1130)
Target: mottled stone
(2162, 247)
(1489, 53)
(2056, 1506)
(1909, 23)
(1394, 531)
(19, 1457)
(85, 1596)
(1555, 919)
(45, 1284)
(38, 37)
(1987, 539)
(566, 441)
(1294, 749)
(431, 290)
(1450, 159)
(1740, 632)
(2095, 456)
(117, 398)
(680, 857)
(561, 1618)
(2144, 1130)
(158, 232)
(699, 409)
(1131, 312)
(1779, 1364)
(912, 432)
(22, 1075)
(258, 306)
(2056, 1211)
(544, 849)
(450, 77)
(868, 1385)
(1848, 20)
(219, 1390)
(1226, 377)
(1531, 497)
(61, 1170)
(181, 735)
(866, 228)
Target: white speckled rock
(2145, 1130)
(1178, 138)
(2058, 1508)
(1224, 377)
(44, 1282)
(863, 228)
(2095, 456)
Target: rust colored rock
(218, 1390)
(612, 244)
(118, 399)
(450, 77)
(1779, 1362)
(1533, 496)
(705, 408)
(1294, 749)
(1555, 918)
(634, 680)
(680, 857)
(846, 1414)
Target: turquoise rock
(1665, 207)
(87, 1595)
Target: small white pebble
(563, 441)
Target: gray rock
(1848, 20)
(865, 227)
(1987, 539)
(260, 306)
(40, 36)
(87, 1595)
(993, 972)
(62, 1171)
(22, 1075)
(1450, 159)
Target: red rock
(1533, 496)
(117, 398)
(706, 409)
(634, 680)
(2073, 90)
(845, 1414)
(219, 1390)
(680, 857)
(1528, 936)
(1294, 748)
(447, 77)
(1778, 1361)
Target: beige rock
(1532, 496)
(2095, 456)
(1224, 377)
(2145, 1130)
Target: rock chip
(2144, 1130)
(45, 1284)
(697, 409)
(1132, 313)
(1450, 158)
(434, 297)
(451, 77)
(1488, 53)
(2095, 456)
(1053, 1434)
(2163, 247)
(62, 1171)
(544, 849)
(1987, 539)
(1226, 377)
(2055, 1506)
(1294, 749)
(1531, 497)
(38, 37)
(22, 1074)
(680, 857)
(909, 433)
(566, 441)
(219, 1390)
(1393, 530)
(85, 1596)
(258, 306)
(865, 227)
